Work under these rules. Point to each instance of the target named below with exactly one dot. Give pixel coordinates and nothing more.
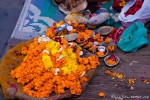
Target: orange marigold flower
(111, 48)
(108, 40)
(52, 67)
(102, 94)
(111, 61)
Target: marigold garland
(51, 66)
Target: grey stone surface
(9, 14)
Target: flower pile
(111, 60)
(52, 66)
(111, 48)
(133, 9)
(118, 4)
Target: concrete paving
(9, 14)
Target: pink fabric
(127, 24)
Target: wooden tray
(12, 89)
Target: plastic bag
(133, 38)
(142, 13)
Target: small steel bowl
(117, 61)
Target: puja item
(111, 48)
(71, 37)
(111, 60)
(96, 36)
(116, 33)
(84, 36)
(82, 44)
(101, 51)
(107, 40)
(118, 4)
(104, 30)
(99, 18)
(101, 94)
(75, 18)
(133, 9)
(80, 27)
(41, 70)
(89, 43)
(92, 26)
(93, 48)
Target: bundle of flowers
(118, 4)
(52, 66)
(133, 9)
(115, 34)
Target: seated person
(98, 14)
(72, 6)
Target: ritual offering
(71, 37)
(84, 36)
(111, 48)
(111, 60)
(89, 43)
(104, 30)
(133, 9)
(50, 66)
(78, 17)
(118, 4)
(101, 51)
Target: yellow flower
(58, 25)
(47, 62)
(71, 64)
(122, 4)
(65, 70)
(53, 47)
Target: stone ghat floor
(9, 13)
(105, 83)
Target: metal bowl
(117, 58)
(71, 37)
(106, 53)
(104, 30)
